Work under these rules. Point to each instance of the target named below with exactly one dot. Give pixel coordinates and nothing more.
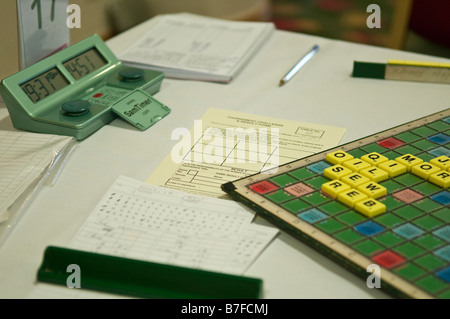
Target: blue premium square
(444, 274)
(318, 167)
(443, 233)
(312, 216)
(444, 252)
(369, 228)
(442, 197)
(408, 231)
(440, 138)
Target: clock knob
(130, 74)
(76, 107)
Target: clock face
(45, 84)
(84, 63)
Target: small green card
(140, 109)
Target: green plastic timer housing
(72, 92)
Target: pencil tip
(281, 83)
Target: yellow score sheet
(226, 145)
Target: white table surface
(323, 92)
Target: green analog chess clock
(79, 89)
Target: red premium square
(263, 187)
(388, 259)
(391, 143)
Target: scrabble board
(382, 200)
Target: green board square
(301, 173)
(439, 125)
(430, 262)
(357, 153)
(374, 147)
(408, 179)
(389, 220)
(283, 180)
(317, 182)
(445, 294)
(410, 271)
(427, 205)
(391, 202)
(409, 250)
(426, 188)
(368, 247)
(429, 242)
(426, 157)
(443, 214)
(428, 223)
(279, 196)
(391, 186)
(330, 226)
(391, 154)
(407, 137)
(315, 198)
(409, 149)
(431, 284)
(333, 208)
(295, 206)
(348, 236)
(424, 145)
(423, 131)
(351, 218)
(408, 212)
(388, 239)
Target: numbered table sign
(42, 29)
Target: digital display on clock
(44, 85)
(84, 63)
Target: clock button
(76, 107)
(130, 74)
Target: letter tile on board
(393, 168)
(373, 189)
(441, 178)
(370, 207)
(338, 157)
(334, 187)
(424, 170)
(374, 158)
(409, 161)
(356, 164)
(351, 197)
(375, 174)
(336, 172)
(442, 161)
(355, 179)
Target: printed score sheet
(226, 145)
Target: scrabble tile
(372, 189)
(442, 162)
(334, 187)
(356, 164)
(351, 197)
(370, 207)
(409, 161)
(355, 179)
(338, 157)
(336, 172)
(424, 169)
(393, 168)
(375, 174)
(374, 158)
(440, 178)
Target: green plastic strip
(369, 70)
(143, 279)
